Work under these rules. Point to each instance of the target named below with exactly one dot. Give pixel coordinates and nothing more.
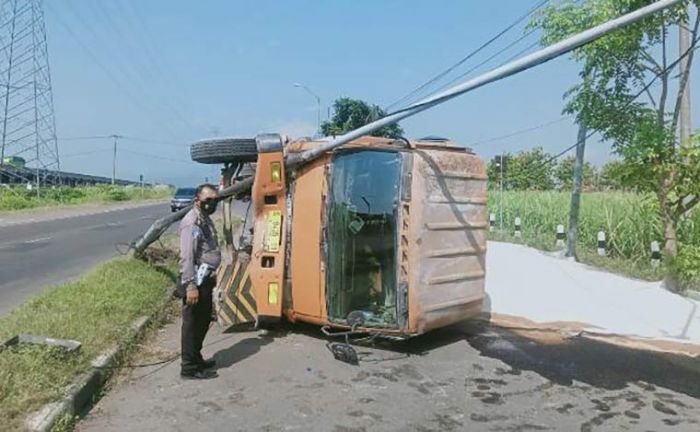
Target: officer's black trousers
(195, 324)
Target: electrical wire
(109, 72)
(526, 35)
(492, 57)
(464, 59)
(632, 100)
(519, 132)
(152, 156)
(154, 141)
(132, 49)
(85, 153)
(81, 138)
(160, 63)
(167, 360)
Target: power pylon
(27, 123)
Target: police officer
(199, 258)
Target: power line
(154, 141)
(95, 59)
(495, 55)
(152, 156)
(463, 60)
(665, 71)
(81, 138)
(155, 77)
(160, 63)
(110, 74)
(519, 132)
(525, 35)
(127, 138)
(534, 128)
(86, 152)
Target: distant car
(182, 198)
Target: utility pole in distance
(576, 194)
(114, 158)
(500, 161)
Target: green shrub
(10, 201)
(686, 265)
(116, 194)
(65, 195)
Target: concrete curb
(82, 391)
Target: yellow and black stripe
(237, 303)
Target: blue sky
(165, 73)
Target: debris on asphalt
(70, 346)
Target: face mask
(208, 206)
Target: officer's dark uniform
(198, 244)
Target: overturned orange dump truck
(380, 236)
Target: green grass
(631, 222)
(19, 198)
(96, 310)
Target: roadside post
(602, 247)
(655, 254)
(492, 221)
(561, 236)
(518, 228)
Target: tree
(615, 71)
(526, 170)
(564, 174)
(349, 114)
(614, 175)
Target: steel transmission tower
(27, 123)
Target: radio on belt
(203, 272)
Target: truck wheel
(224, 150)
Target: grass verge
(19, 198)
(96, 310)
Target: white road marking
(25, 242)
(38, 240)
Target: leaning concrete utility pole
(684, 122)
(576, 194)
(537, 58)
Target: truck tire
(224, 150)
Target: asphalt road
(463, 378)
(37, 255)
